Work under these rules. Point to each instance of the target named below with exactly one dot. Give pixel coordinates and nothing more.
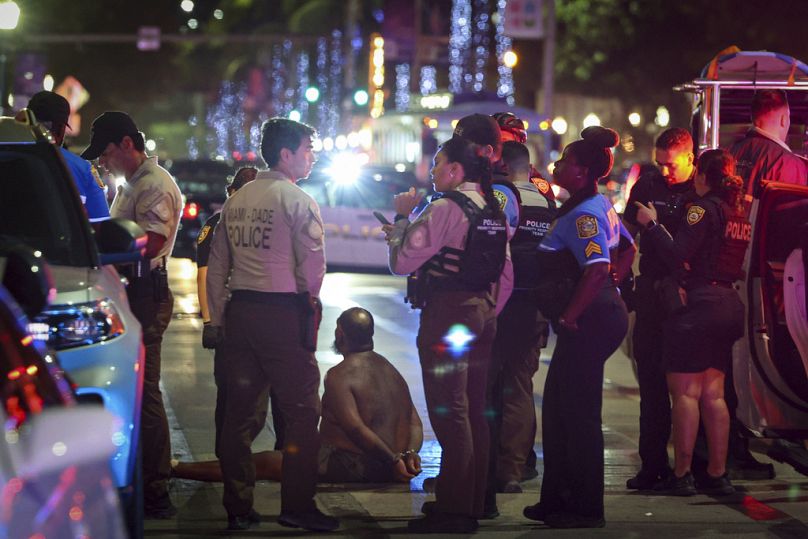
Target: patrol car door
(770, 371)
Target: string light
(429, 78)
(459, 43)
(505, 87)
(402, 87)
(302, 84)
(481, 43)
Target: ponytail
(487, 185)
(731, 192)
(476, 167)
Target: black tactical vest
(534, 222)
(480, 262)
(721, 259)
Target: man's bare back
(367, 383)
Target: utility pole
(547, 79)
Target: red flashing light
(251, 156)
(190, 211)
(237, 155)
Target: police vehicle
(771, 361)
(348, 193)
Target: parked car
(54, 454)
(89, 322)
(202, 184)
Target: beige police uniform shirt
(442, 224)
(152, 199)
(269, 239)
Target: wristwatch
(651, 224)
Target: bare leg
(716, 421)
(685, 389)
(268, 465)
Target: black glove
(212, 336)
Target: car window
(39, 206)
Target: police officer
(590, 320)
(151, 198)
(53, 111)
(210, 338)
(269, 242)
(521, 332)
(706, 257)
(669, 187)
(457, 247)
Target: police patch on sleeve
(501, 198)
(694, 215)
(203, 234)
(587, 226)
(315, 230)
(541, 184)
(96, 177)
(417, 239)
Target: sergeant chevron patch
(592, 248)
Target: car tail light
(190, 211)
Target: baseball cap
(50, 107)
(480, 129)
(512, 127)
(111, 126)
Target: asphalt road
(773, 508)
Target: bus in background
(348, 193)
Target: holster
(416, 290)
(670, 300)
(311, 314)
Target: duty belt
(271, 298)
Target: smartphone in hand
(380, 216)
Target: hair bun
(602, 137)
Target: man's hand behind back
(407, 467)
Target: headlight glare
(78, 325)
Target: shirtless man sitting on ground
(370, 431)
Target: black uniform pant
(264, 349)
(454, 386)
(655, 405)
(155, 442)
(260, 416)
(571, 409)
(510, 406)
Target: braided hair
(476, 167)
(718, 167)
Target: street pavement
(775, 508)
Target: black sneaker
(788, 452)
(429, 484)
(646, 480)
(716, 486)
(677, 486)
(313, 520)
(535, 512)
(443, 523)
(510, 487)
(236, 523)
(528, 473)
(571, 520)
